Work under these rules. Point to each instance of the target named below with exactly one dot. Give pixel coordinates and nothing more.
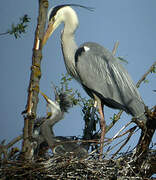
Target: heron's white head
(60, 14)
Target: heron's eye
(52, 20)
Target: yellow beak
(49, 114)
(45, 97)
(48, 33)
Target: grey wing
(102, 74)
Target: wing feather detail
(101, 72)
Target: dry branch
(33, 90)
(146, 74)
(146, 137)
(115, 47)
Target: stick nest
(69, 167)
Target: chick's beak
(45, 97)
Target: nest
(70, 167)
(139, 164)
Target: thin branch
(126, 141)
(14, 141)
(116, 45)
(117, 117)
(118, 136)
(146, 74)
(18, 29)
(111, 148)
(121, 130)
(2, 34)
(4, 148)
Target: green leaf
(146, 81)
(20, 27)
(122, 59)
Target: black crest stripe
(55, 9)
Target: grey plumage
(113, 86)
(95, 68)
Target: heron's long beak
(48, 33)
(45, 97)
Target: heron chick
(100, 73)
(58, 144)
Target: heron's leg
(103, 127)
(102, 123)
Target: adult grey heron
(95, 68)
(43, 130)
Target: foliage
(75, 96)
(146, 81)
(87, 109)
(20, 28)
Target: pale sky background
(131, 22)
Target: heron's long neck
(69, 48)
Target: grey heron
(43, 130)
(95, 68)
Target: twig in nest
(4, 148)
(121, 130)
(131, 131)
(110, 148)
(128, 138)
